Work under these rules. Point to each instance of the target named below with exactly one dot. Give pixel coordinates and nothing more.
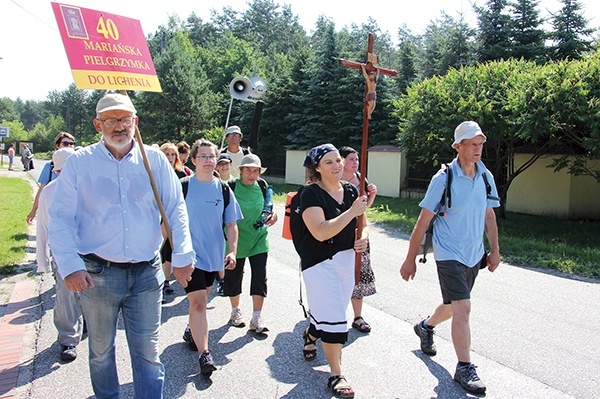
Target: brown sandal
(340, 387)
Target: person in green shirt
(252, 243)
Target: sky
(33, 61)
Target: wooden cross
(371, 73)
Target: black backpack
(443, 206)
(297, 226)
(261, 182)
(50, 171)
(245, 151)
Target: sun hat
(234, 129)
(59, 157)
(224, 157)
(115, 101)
(251, 161)
(466, 130)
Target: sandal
(361, 326)
(309, 354)
(340, 387)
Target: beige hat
(115, 101)
(234, 129)
(466, 130)
(59, 157)
(252, 161)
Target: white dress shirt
(107, 207)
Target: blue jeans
(136, 291)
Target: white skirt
(329, 286)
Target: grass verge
(569, 246)
(14, 207)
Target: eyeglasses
(67, 143)
(205, 158)
(112, 122)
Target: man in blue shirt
(105, 234)
(458, 246)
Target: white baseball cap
(234, 129)
(115, 101)
(59, 157)
(466, 130)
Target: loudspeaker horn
(240, 87)
(259, 87)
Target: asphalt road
(534, 335)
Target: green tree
(494, 26)
(201, 34)
(17, 131)
(528, 39)
(77, 108)
(186, 105)
(31, 112)
(273, 28)
(325, 97)
(521, 106)
(7, 110)
(448, 43)
(570, 32)
(407, 55)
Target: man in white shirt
(67, 311)
(105, 234)
(236, 152)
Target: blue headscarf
(317, 153)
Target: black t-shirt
(317, 251)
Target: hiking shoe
(236, 319)
(167, 288)
(207, 366)
(426, 335)
(256, 324)
(187, 337)
(468, 378)
(220, 283)
(68, 353)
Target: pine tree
(570, 32)
(494, 31)
(528, 39)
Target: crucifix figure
(371, 73)
(371, 94)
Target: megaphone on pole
(259, 87)
(240, 88)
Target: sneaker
(220, 283)
(207, 366)
(468, 378)
(257, 325)
(187, 337)
(426, 335)
(236, 319)
(167, 288)
(68, 353)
